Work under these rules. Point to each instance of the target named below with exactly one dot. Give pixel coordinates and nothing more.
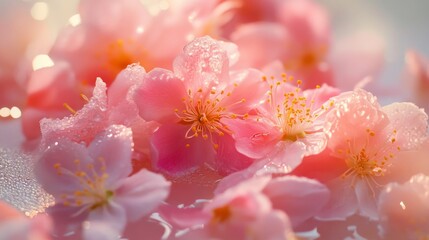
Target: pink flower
(241, 212)
(92, 183)
(365, 139)
(190, 105)
(404, 209)
(14, 225)
(289, 120)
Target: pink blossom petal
(404, 209)
(142, 189)
(183, 217)
(256, 38)
(112, 149)
(31, 120)
(357, 110)
(240, 101)
(274, 225)
(127, 78)
(228, 159)
(82, 126)
(322, 167)
(368, 50)
(64, 153)
(203, 63)
(295, 15)
(301, 198)
(321, 95)
(59, 77)
(96, 230)
(112, 214)
(159, 95)
(410, 122)
(367, 200)
(129, 11)
(342, 203)
(252, 138)
(171, 154)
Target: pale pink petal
(31, 120)
(183, 217)
(256, 38)
(65, 220)
(342, 202)
(127, 78)
(203, 63)
(410, 122)
(228, 159)
(253, 138)
(111, 149)
(322, 167)
(307, 21)
(367, 50)
(358, 111)
(159, 95)
(286, 157)
(301, 198)
(276, 164)
(131, 12)
(274, 225)
(82, 126)
(156, 39)
(367, 199)
(96, 230)
(64, 153)
(408, 163)
(171, 153)
(59, 77)
(404, 209)
(321, 95)
(142, 189)
(240, 101)
(112, 214)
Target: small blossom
(190, 105)
(93, 184)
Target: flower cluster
(221, 119)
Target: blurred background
(28, 28)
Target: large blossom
(93, 184)
(365, 140)
(289, 120)
(190, 104)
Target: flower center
(203, 114)
(294, 112)
(93, 193)
(368, 163)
